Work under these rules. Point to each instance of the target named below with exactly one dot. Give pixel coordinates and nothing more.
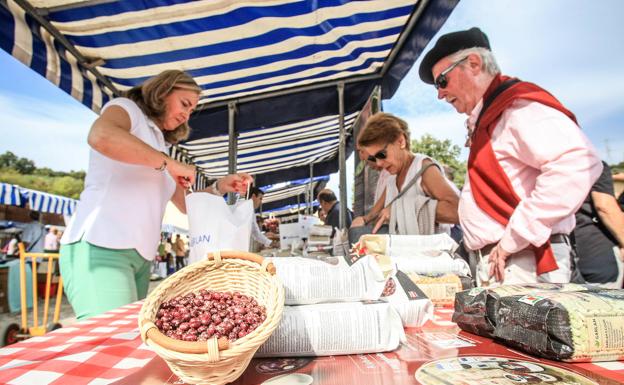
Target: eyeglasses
(381, 155)
(441, 81)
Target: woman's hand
(234, 183)
(358, 222)
(182, 173)
(384, 217)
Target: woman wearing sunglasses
(415, 179)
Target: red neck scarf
(491, 188)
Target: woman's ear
(401, 142)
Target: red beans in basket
(205, 314)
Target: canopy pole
(232, 146)
(310, 189)
(342, 151)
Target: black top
(594, 242)
(333, 217)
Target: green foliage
(445, 153)
(617, 168)
(22, 172)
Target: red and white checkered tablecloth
(98, 351)
(108, 349)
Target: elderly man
(529, 169)
(331, 207)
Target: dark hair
(327, 195)
(150, 97)
(383, 128)
(255, 191)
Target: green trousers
(97, 279)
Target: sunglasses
(381, 155)
(441, 81)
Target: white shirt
(382, 181)
(551, 166)
(122, 205)
(414, 191)
(257, 234)
(50, 242)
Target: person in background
(331, 207)
(386, 141)
(50, 243)
(179, 248)
(529, 168)
(33, 234)
(12, 248)
(169, 255)
(270, 239)
(107, 249)
(599, 235)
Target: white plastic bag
(214, 225)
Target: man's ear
(474, 63)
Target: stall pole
(310, 194)
(232, 146)
(342, 157)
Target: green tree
(24, 173)
(444, 152)
(8, 159)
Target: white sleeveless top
(416, 190)
(122, 205)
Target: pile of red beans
(205, 314)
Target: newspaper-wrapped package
(334, 329)
(569, 326)
(476, 309)
(422, 254)
(406, 245)
(441, 289)
(408, 300)
(308, 281)
(432, 266)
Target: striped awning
(50, 203)
(278, 61)
(289, 209)
(294, 192)
(15, 195)
(232, 48)
(10, 194)
(270, 149)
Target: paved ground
(67, 316)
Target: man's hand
(498, 260)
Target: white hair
(488, 60)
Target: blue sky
(573, 48)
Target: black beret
(449, 44)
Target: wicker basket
(212, 361)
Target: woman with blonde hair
(108, 247)
(416, 181)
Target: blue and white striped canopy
(289, 209)
(50, 203)
(14, 195)
(270, 149)
(279, 61)
(294, 192)
(10, 194)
